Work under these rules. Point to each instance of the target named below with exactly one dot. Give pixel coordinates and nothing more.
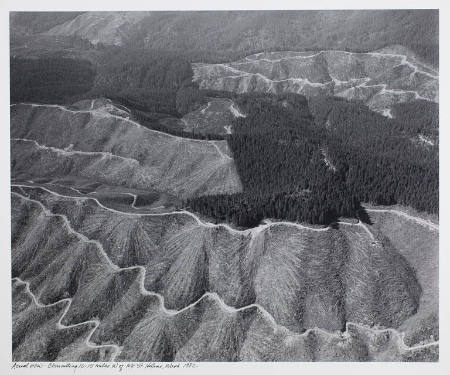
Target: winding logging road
(229, 309)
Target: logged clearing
(417, 241)
(157, 272)
(380, 79)
(99, 143)
(215, 117)
(40, 336)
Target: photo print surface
(225, 186)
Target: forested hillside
(49, 80)
(145, 80)
(417, 117)
(378, 156)
(315, 168)
(276, 149)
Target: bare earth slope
(215, 117)
(39, 334)
(190, 290)
(380, 78)
(417, 240)
(100, 143)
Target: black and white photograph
(197, 186)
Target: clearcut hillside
(421, 248)
(101, 143)
(159, 271)
(215, 116)
(378, 79)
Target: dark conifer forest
(315, 168)
(49, 80)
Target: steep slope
(104, 27)
(40, 336)
(99, 142)
(220, 36)
(416, 239)
(320, 277)
(380, 79)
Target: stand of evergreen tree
(279, 160)
(279, 153)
